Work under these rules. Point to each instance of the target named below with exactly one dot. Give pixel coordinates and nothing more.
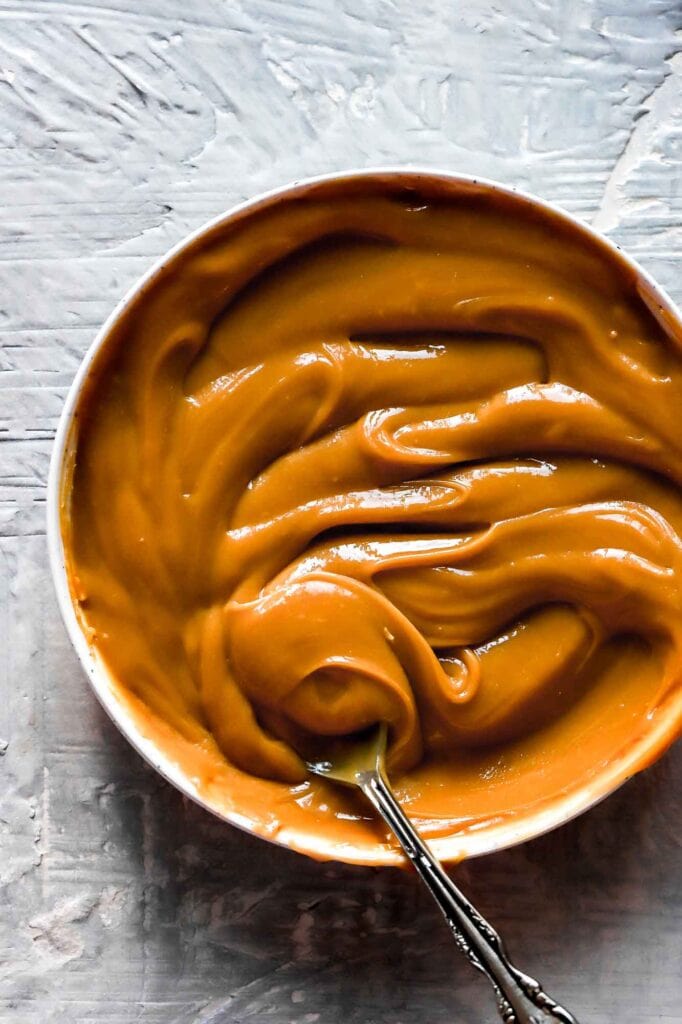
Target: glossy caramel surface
(393, 453)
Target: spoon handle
(520, 999)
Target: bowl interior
(177, 759)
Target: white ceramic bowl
(453, 848)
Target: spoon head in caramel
(350, 759)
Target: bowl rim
(645, 749)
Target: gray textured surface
(123, 124)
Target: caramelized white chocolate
(386, 453)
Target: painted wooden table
(123, 124)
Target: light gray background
(123, 125)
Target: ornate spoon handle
(520, 999)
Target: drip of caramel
(386, 453)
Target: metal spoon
(520, 999)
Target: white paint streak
(53, 932)
(660, 112)
(111, 906)
(303, 938)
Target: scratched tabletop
(124, 124)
